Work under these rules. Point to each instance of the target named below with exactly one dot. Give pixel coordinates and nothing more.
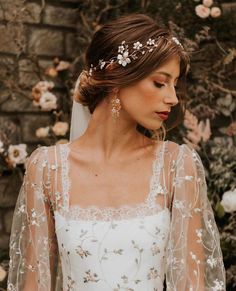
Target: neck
(111, 138)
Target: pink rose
(231, 130)
(60, 128)
(63, 66)
(229, 201)
(202, 11)
(44, 86)
(62, 141)
(17, 154)
(48, 101)
(215, 12)
(207, 3)
(52, 72)
(42, 132)
(40, 88)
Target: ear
(115, 90)
(113, 93)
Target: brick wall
(47, 32)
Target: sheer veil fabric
(79, 120)
(80, 117)
(193, 257)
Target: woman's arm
(194, 257)
(33, 244)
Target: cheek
(138, 97)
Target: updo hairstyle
(92, 89)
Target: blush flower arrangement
(44, 98)
(205, 10)
(12, 156)
(60, 129)
(196, 131)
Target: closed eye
(158, 85)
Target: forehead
(170, 67)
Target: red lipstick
(163, 114)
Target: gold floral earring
(115, 107)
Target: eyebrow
(166, 74)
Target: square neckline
(93, 210)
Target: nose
(171, 97)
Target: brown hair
(104, 45)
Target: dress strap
(155, 186)
(64, 153)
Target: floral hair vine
(124, 57)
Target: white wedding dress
(56, 245)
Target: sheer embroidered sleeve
(194, 257)
(33, 245)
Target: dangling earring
(115, 108)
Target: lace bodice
(124, 211)
(171, 234)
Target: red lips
(163, 115)
(164, 112)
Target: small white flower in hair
(124, 59)
(121, 48)
(137, 45)
(175, 39)
(151, 41)
(91, 70)
(101, 64)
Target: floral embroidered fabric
(171, 236)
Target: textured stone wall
(47, 32)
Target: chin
(151, 126)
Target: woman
(115, 209)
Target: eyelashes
(160, 85)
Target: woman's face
(155, 93)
